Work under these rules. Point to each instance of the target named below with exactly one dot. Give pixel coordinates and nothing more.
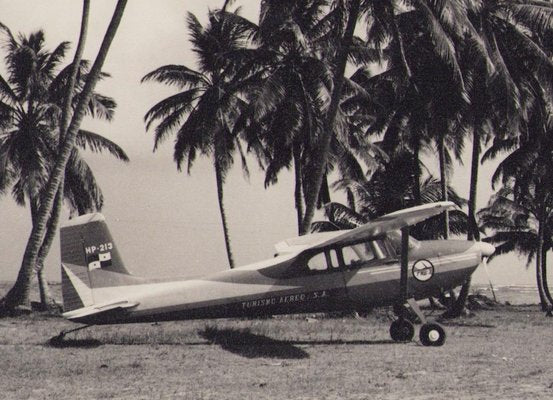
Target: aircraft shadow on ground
(60, 342)
(252, 345)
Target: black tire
(432, 334)
(402, 330)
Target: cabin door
(371, 273)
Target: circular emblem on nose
(423, 270)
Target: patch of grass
(308, 357)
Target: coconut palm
(19, 293)
(203, 114)
(521, 224)
(443, 23)
(286, 109)
(29, 139)
(389, 189)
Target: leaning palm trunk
(219, 177)
(321, 150)
(19, 293)
(46, 299)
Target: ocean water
(514, 294)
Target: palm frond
(177, 75)
(97, 144)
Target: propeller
(487, 250)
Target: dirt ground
(502, 353)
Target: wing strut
(403, 290)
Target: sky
(165, 222)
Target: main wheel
(432, 334)
(402, 330)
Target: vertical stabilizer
(90, 260)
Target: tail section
(90, 261)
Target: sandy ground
(502, 353)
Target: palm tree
(522, 225)
(31, 101)
(442, 23)
(286, 109)
(389, 189)
(346, 14)
(19, 293)
(503, 85)
(203, 114)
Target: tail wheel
(432, 334)
(402, 330)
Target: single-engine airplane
(377, 264)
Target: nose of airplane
(486, 248)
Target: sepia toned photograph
(276, 199)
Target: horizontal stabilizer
(99, 310)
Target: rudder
(90, 260)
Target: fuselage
(345, 277)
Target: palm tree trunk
(351, 199)
(539, 261)
(473, 232)
(546, 290)
(46, 299)
(298, 192)
(416, 144)
(399, 42)
(19, 293)
(219, 178)
(319, 157)
(443, 180)
(324, 193)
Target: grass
(501, 353)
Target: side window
(317, 262)
(353, 256)
(356, 255)
(327, 260)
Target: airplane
(377, 264)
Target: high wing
(374, 228)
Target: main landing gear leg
(431, 333)
(402, 330)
